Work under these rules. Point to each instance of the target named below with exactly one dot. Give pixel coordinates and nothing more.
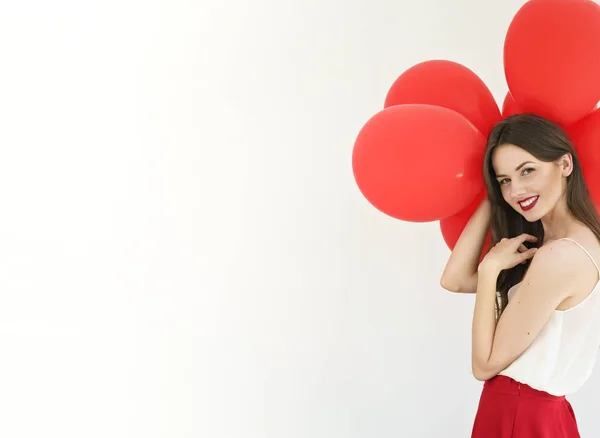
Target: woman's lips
(529, 203)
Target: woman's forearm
(484, 324)
(464, 260)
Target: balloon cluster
(420, 158)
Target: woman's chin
(531, 216)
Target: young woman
(536, 323)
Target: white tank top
(563, 355)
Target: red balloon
(585, 136)
(453, 226)
(450, 85)
(418, 163)
(510, 107)
(552, 58)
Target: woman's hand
(508, 253)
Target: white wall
(184, 252)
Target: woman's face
(530, 186)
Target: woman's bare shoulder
(585, 272)
(587, 239)
(575, 251)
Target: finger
(524, 256)
(522, 248)
(524, 237)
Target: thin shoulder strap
(585, 250)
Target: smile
(529, 203)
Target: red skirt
(509, 409)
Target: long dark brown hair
(547, 142)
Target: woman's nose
(517, 190)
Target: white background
(184, 251)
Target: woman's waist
(508, 385)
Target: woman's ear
(566, 164)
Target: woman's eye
(526, 171)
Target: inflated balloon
(510, 107)
(415, 173)
(453, 226)
(450, 85)
(585, 136)
(552, 58)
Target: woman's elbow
(479, 376)
(449, 285)
(482, 375)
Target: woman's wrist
(487, 269)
